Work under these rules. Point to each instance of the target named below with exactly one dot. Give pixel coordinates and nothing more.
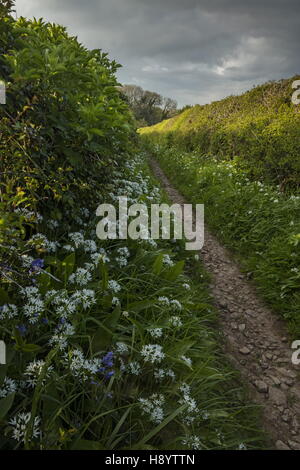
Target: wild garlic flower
(101, 256)
(176, 305)
(35, 305)
(81, 277)
(8, 311)
(175, 321)
(81, 367)
(160, 374)
(19, 424)
(164, 300)
(186, 286)
(152, 353)
(77, 238)
(9, 386)
(134, 368)
(114, 286)
(41, 240)
(156, 332)
(153, 406)
(89, 246)
(192, 442)
(123, 252)
(115, 301)
(167, 260)
(85, 298)
(121, 348)
(33, 371)
(61, 334)
(187, 360)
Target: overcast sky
(195, 51)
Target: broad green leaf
(6, 404)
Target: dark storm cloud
(191, 50)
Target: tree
(147, 106)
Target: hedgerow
(258, 129)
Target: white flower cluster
(40, 240)
(81, 367)
(175, 321)
(19, 424)
(101, 255)
(61, 335)
(123, 255)
(153, 406)
(121, 348)
(173, 304)
(167, 260)
(134, 368)
(152, 353)
(187, 360)
(81, 277)
(9, 386)
(191, 412)
(65, 305)
(192, 442)
(29, 215)
(8, 311)
(156, 332)
(33, 371)
(34, 305)
(113, 286)
(52, 224)
(161, 374)
(78, 240)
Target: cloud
(191, 50)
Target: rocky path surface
(256, 340)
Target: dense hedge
(65, 123)
(259, 129)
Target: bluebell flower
(109, 374)
(22, 329)
(36, 265)
(108, 359)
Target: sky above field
(195, 51)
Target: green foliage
(254, 218)
(77, 314)
(64, 125)
(259, 129)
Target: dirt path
(256, 340)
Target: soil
(256, 339)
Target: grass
(254, 218)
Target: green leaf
(4, 299)
(68, 265)
(140, 444)
(6, 404)
(158, 264)
(84, 444)
(140, 305)
(104, 274)
(30, 348)
(175, 271)
(112, 319)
